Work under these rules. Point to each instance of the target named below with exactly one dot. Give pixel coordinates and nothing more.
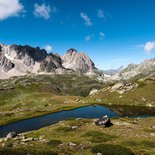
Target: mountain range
(17, 60)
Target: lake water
(84, 112)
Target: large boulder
(117, 86)
(104, 121)
(93, 92)
(11, 135)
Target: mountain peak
(79, 62)
(72, 50)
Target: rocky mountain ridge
(16, 60)
(146, 68)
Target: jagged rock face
(20, 60)
(79, 62)
(5, 63)
(51, 63)
(28, 54)
(146, 68)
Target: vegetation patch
(11, 151)
(142, 144)
(110, 149)
(54, 142)
(98, 137)
(150, 130)
(64, 129)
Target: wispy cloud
(42, 10)
(48, 48)
(86, 19)
(89, 37)
(100, 13)
(102, 35)
(149, 47)
(122, 60)
(10, 8)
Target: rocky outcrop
(93, 92)
(51, 63)
(79, 62)
(5, 63)
(123, 87)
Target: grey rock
(11, 135)
(153, 127)
(27, 139)
(117, 86)
(51, 63)
(5, 63)
(104, 121)
(74, 127)
(77, 100)
(92, 92)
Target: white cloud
(42, 10)
(10, 8)
(149, 47)
(102, 35)
(100, 13)
(48, 48)
(86, 19)
(89, 37)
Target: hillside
(134, 93)
(29, 96)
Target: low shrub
(98, 137)
(109, 149)
(54, 142)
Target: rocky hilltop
(16, 60)
(136, 71)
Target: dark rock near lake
(11, 135)
(104, 121)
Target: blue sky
(111, 32)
